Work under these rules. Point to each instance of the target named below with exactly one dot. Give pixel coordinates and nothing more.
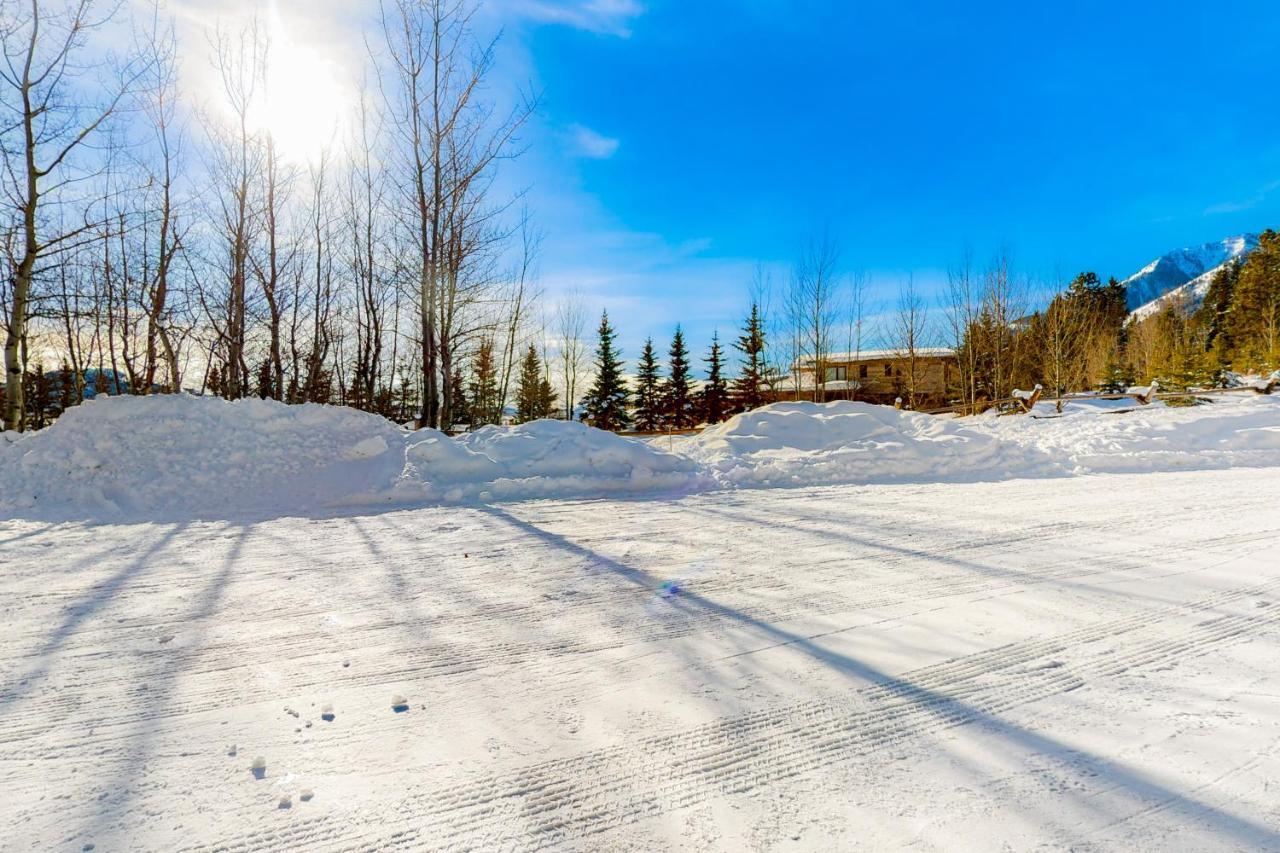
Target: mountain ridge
(1182, 274)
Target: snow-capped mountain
(1183, 273)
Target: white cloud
(606, 17)
(590, 144)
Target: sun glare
(305, 102)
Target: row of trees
(677, 401)
(1085, 339)
(165, 242)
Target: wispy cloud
(1238, 205)
(606, 17)
(586, 142)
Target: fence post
(1147, 396)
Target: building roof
(879, 355)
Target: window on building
(888, 369)
(862, 371)
(836, 374)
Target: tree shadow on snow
(946, 710)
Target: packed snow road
(1090, 662)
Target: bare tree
(237, 165)
(812, 307)
(160, 108)
(449, 142)
(911, 333)
(855, 311)
(519, 299)
(571, 326)
(962, 311)
(370, 271)
(47, 125)
(1003, 307)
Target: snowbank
(196, 456)
(844, 442)
(540, 459)
(192, 457)
(1234, 431)
(172, 456)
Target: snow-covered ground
(1041, 652)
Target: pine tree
(213, 383)
(534, 397)
(1212, 314)
(677, 393)
(264, 379)
(66, 392)
(1253, 320)
(547, 398)
(748, 388)
(38, 389)
(715, 395)
(461, 402)
(648, 413)
(605, 406)
(486, 408)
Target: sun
(305, 101)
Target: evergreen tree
(486, 408)
(715, 395)
(265, 375)
(461, 402)
(534, 397)
(1253, 320)
(677, 393)
(648, 413)
(38, 391)
(1212, 315)
(605, 405)
(213, 383)
(749, 388)
(66, 390)
(547, 397)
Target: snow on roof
(880, 355)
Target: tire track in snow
(223, 666)
(431, 660)
(570, 798)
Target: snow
(854, 356)
(1238, 431)
(179, 457)
(1026, 632)
(803, 444)
(1184, 274)
(1071, 663)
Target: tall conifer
(605, 405)
(648, 412)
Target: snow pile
(796, 444)
(540, 459)
(197, 456)
(1234, 431)
(171, 456)
(192, 457)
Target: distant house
(876, 376)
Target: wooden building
(877, 376)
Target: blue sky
(680, 144)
